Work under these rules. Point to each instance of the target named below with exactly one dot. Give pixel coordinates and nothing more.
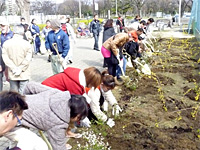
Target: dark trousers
(96, 40)
(112, 68)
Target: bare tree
(24, 6)
(138, 4)
(2, 6)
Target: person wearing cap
(60, 39)
(6, 33)
(17, 54)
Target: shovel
(56, 49)
(145, 68)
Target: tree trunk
(24, 6)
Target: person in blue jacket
(61, 40)
(35, 31)
(6, 33)
(95, 28)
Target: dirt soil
(160, 111)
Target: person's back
(67, 80)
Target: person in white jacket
(72, 40)
(102, 96)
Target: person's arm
(47, 42)
(95, 105)
(26, 62)
(34, 88)
(65, 46)
(91, 24)
(57, 138)
(108, 96)
(6, 59)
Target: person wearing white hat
(6, 33)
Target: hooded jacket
(72, 80)
(48, 111)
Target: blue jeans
(96, 40)
(118, 71)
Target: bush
(41, 26)
(88, 21)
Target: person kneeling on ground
(51, 110)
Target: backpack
(132, 48)
(64, 28)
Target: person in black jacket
(95, 29)
(107, 33)
(120, 23)
(2, 68)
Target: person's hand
(116, 110)
(49, 52)
(86, 122)
(110, 122)
(1, 68)
(61, 59)
(17, 71)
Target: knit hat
(55, 23)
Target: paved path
(84, 56)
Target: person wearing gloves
(75, 81)
(72, 40)
(102, 96)
(56, 110)
(60, 40)
(110, 50)
(17, 54)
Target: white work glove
(49, 52)
(86, 122)
(110, 122)
(116, 110)
(61, 59)
(17, 71)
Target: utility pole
(79, 8)
(179, 20)
(116, 7)
(93, 8)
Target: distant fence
(195, 19)
(41, 19)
